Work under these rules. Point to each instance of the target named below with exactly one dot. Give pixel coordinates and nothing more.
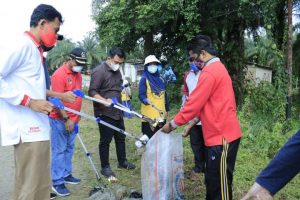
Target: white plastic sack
(162, 167)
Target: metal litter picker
(58, 104)
(117, 105)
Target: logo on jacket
(34, 129)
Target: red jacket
(213, 102)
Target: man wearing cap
(67, 96)
(65, 78)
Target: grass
(249, 163)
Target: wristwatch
(66, 118)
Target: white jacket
(22, 72)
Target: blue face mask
(194, 67)
(152, 69)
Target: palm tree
(59, 54)
(95, 52)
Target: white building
(258, 73)
(132, 72)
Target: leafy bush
(265, 99)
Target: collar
(33, 38)
(212, 60)
(108, 67)
(37, 43)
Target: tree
(164, 27)
(289, 59)
(95, 52)
(59, 54)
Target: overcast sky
(15, 18)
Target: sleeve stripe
(25, 101)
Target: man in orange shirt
(66, 78)
(213, 102)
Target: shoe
(61, 190)
(72, 180)
(107, 172)
(52, 195)
(126, 165)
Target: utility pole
(289, 60)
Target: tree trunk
(234, 57)
(148, 46)
(279, 26)
(289, 60)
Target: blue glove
(146, 101)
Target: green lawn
(249, 164)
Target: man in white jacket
(23, 120)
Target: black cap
(79, 55)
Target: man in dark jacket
(106, 83)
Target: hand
(167, 128)
(186, 131)
(42, 106)
(146, 101)
(69, 124)
(68, 97)
(109, 102)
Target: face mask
(152, 69)
(48, 36)
(193, 67)
(115, 67)
(77, 69)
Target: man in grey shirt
(106, 83)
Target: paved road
(6, 171)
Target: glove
(146, 101)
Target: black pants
(146, 129)
(219, 170)
(198, 147)
(106, 135)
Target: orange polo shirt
(64, 80)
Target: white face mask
(152, 68)
(115, 67)
(77, 69)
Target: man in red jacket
(213, 102)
